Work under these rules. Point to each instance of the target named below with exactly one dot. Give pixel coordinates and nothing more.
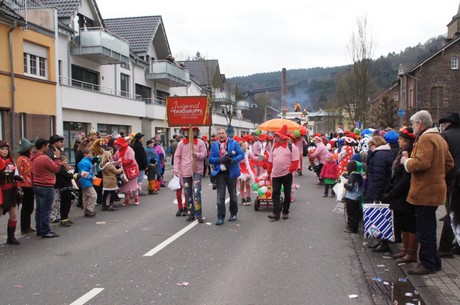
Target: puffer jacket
(86, 165)
(378, 172)
(330, 170)
(234, 151)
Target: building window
(35, 66)
(35, 60)
(124, 84)
(85, 78)
(454, 63)
(145, 93)
(161, 97)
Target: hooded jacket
(378, 172)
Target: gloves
(223, 159)
(17, 178)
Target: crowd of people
(413, 169)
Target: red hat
(282, 133)
(352, 135)
(238, 138)
(186, 128)
(263, 137)
(248, 138)
(270, 138)
(205, 138)
(121, 141)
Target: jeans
(44, 197)
(286, 181)
(192, 189)
(224, 182)
(426, 236)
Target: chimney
(283, 88)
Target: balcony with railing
(168, 73)
(223, 97)
(101, 46)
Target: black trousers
(27, 207)
(354, 214)
(66, 202)
(286, 182)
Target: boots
(412, 248)
(179, 212)
(403, 251)
(127, 196)
(275, 216)
(11, 240)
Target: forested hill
(315, 87)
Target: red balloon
(257, 179)
(303, 131)
(268, 194)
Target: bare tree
(354, 89)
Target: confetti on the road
(18, 286)
(408, 294)
(402, 279)
(101, 222)
(209, 224)
(377, 279)
(353, 296)
(183, 284)
(381, 266)
(386, 257)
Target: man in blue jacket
(226, 155)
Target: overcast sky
(254, 36)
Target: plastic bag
(174, 183)
(339, 189)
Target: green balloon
(258, 132)
(255, 186)
(297, 133)
(282, 188)
(260, 193)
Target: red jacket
(44, 169)
(330, 170)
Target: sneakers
(90, 214)
(274, 216)
(325, 196)
(64, 223)
(179, 212)
(190, 218)
(232, 218)
(200, 219)
(285, 216)
(184, 212)
(50, 235)
(243, 201)
(219, 222)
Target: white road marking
(171, 239)
(88, 296)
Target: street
(306, 259)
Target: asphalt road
(306, 259)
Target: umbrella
(276, 124)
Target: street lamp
(401, 102)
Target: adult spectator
(226, 155)
(429, 162)
(125, 156)
(161, 153)
(173, 147)
(450, 126)
(44, 171)
(24, 166)
(189, 167)
(379, 162)
(141, 158)
(396, 194)
(282, 162)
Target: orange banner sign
(188, 110)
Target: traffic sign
(401, 112)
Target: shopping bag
(378, 221)
(339, 189)
(174, 183)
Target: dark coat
(139, 154)
(378, 172)
(452, 137)
(396, 193)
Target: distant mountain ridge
(315, 87)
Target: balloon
(268, 194)
(264, 189)
(258, 132)
(282, 188)
(296, 133)
(303, 131)
(255, 186)
(259, 192)
(335, 156)
(261, 182)
(257, 179)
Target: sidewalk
(389, 281)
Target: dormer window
(454, 63)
